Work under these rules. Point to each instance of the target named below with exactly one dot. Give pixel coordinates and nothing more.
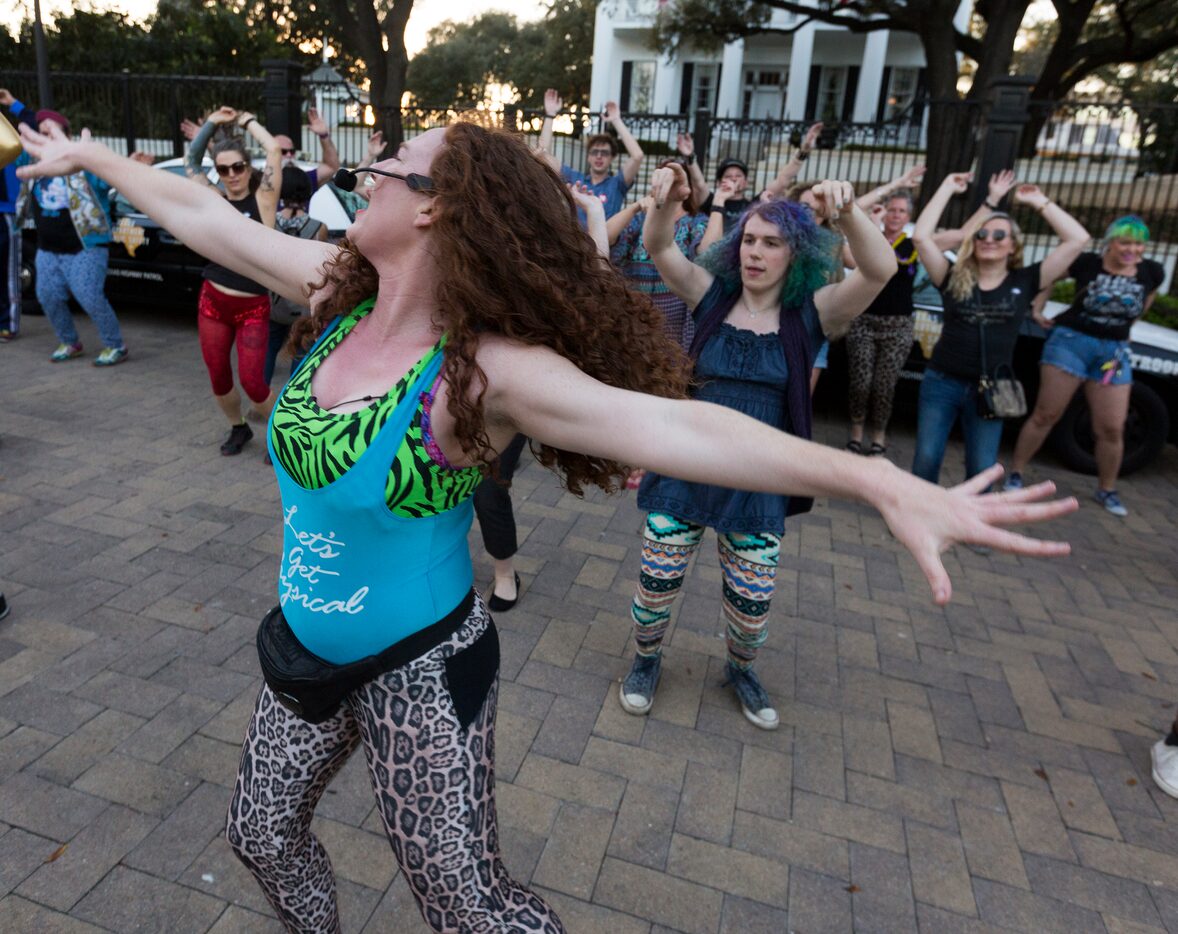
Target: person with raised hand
(1088, 346)
(465, 307)
(233, 308)
(601, 148)
(987, 293)
(761, 305)
(329, 158)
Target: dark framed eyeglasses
(346, 179)
(289, 152)
(998, 235)
(234, 168)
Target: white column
(875, 54)
(603, 84)
(801, 57)
(731, 80)
(666, 86)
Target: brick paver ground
(971, 768)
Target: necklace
(328, 408)
(751, 312)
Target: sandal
(855, 447)
(877, 449)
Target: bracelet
(249, 121)
(323, 135)
(689, 159)
(992, 207)
(717, 209)
(802, 155)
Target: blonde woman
(987, 293)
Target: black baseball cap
(728, 164)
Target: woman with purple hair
(1089, 347)
(762, 304)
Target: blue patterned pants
(83, 275)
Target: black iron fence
(1098, 159)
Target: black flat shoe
(877, 449)
(855, 447)
(497, 604)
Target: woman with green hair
(1089, 346)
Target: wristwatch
(323, 135)
(718, 208)
(689, 159)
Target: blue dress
(745, 371)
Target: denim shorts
(822, 355)
(1090, 358)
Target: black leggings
(492, 504)
(428, 732)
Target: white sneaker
(1165, 767)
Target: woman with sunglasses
(233, 307)
(1089, 346)
(458, 313)
(987, 292)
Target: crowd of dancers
(492, 300)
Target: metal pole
(44, 92)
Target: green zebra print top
(316, 447)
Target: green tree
(462, 60)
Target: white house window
(901, 91)
(703, 86)
(764, 93)
(642, 87)
(832, 88)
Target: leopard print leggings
(433, 776)
(877, 346)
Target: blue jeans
(83, 274)
(943, 400)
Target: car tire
(1147, 426)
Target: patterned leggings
(749, 563)
(877, 346)
(430, 746)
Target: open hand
(376, 145)
(610, 113)
(553, 102)
(1030, 195)
(999, 185)
(188, 129)
(811, 137)
(684, 144)
(669, 184)
(832, 197)
(6, 98)
(912, 177)
(586, 200)
(55, 152)
(927, 520)
(315, 123)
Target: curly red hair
(512, 260)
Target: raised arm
(553, 103)
(999, 184)
(926, 224)
(271, 184)
(909, 179)
(199, 144)
(198, 216)
(777, 188)
(329, 162)
(685, 146)
(613, 116)
(690, 282)
(840, 303)
(595, 221)
(1072, 235)
(535, 391)
(620, 221)
(715, 229)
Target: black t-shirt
(217, 273)
(51, 214)
(996, 312)
(895, 301)
(732, 209)
(1107, 304)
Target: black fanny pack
(312, 688)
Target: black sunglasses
(234, 168)
(289, 152)
(998, 235)
(345, 179)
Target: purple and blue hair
(814, 250)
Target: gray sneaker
(637, 690)
(754, 700)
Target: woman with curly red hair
(457, 314)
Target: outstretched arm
(535, 391)
(874, 260)
(926, 224)
(194, 214)
(626, 138)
